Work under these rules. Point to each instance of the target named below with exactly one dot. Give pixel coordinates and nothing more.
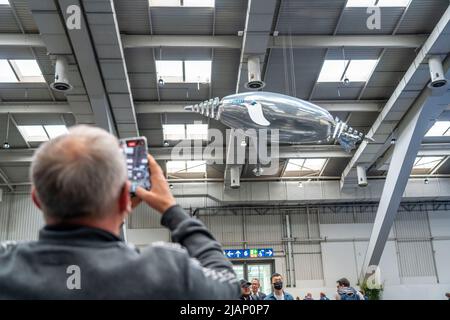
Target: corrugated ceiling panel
(25, 16)
(133, 16)
(354, 21)
(422, 16)
(309, 17)
(7, 21)
(306, 66)
(353, 53)
(338, 91)
(230, 16)
(224, 72)
(184, 20)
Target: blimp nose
(209, 108)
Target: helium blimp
(297, 121)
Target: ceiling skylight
(177, 71)
(423, 165)
(6, 72)
(306, 166)
(55, 130)
(439, 129)
(169, 70)
(354, 70)
(38, 133)
(20, 71)
(198, 71)
(197, 131)
(174, 131)
(186, 166)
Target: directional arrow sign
(269, 253)
(238, 253)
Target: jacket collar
(75, 233)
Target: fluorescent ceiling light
(55, 130)
(174, 131)
(427, 162)
(197, 131)
(33, 133)
(439, 129)
(6, 72)
(198, 71)
(381, 3)
(4, 2)
(309, 165)
(354, 70)
(169, 70)
(181, 3)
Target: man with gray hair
(80, 184)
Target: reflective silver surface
(298, 121)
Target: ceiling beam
(24, 156)
(142, 107)
(235, 42)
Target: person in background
(308, 296)
(448, 295)
(297, 298)
(245, 290)
(346, 292)
(323, 296)
(277, 289)
(364, 295)
(257, 295)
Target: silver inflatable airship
(298, 121)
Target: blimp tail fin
(208, 108)
(347, 136)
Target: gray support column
(411, 132)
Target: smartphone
(135, 152)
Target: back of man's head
(79, 174)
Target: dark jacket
(259, 296)
(111, 269)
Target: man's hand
(159, 197)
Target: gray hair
(79, 174)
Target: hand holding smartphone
(135, 152)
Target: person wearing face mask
(277, 289)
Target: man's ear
(124, 198)
(35, 198)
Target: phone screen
(135, 151)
